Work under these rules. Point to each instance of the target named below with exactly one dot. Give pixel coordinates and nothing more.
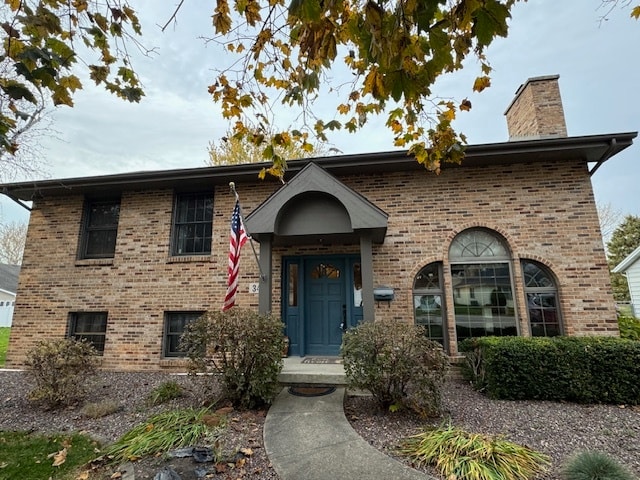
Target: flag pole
(232, 187)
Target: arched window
(542, 300)
(428, 302)
(481, 278)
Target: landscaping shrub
(244, 347)
(594, 466)
(456, 453)
(629, 327)
(164, 392)
(61, 370)
(397, 364)
(578, 369)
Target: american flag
(236, 241)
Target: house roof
(9, 277)
(591, 148)
(628, 262)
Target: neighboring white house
(8, 287)
(630, 267)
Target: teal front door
(325, 306)
(321, 299)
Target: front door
(321, 300)
(325, 306)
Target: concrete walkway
(310, 438)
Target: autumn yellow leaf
(481, 83)
(59, 457)
(635, 13)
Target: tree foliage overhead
(280, 55)
(394, 51)
(624, 240)
(236, 151)
(41, 43)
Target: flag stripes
(237, 239)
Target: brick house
(508, 243)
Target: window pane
(483, 300)
(293, 284)
(91, 327)
(100, 229)
(357, 285)
(175, 323)
(428, 313)
(428, 302)
(476, 243)
(542, 300)
(428, 278)
(192, 228)
(104, 214)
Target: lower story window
(427, 301)
(485, 305)
(175, 323)
(90, 326)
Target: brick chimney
(536, 111)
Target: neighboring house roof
(590, 149)
(625, 264)
(9, 277)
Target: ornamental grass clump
(162, 433)
(594, 466)
(164, 392)
(456, 453)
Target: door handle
(343, 325)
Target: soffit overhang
(588, 149)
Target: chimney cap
(542, 78)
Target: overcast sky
(173, 125)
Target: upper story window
(192, 224)
(100, 228)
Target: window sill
(190, 258)
(171, 362)
(90, 262)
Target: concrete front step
(294, 372)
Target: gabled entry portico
(315, 208)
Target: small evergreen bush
(397, 364)
(243, 347)
(594, 466)
(61, 370)
(456, 453)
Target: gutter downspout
(14, 198)
(605, 156)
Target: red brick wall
(546, 212)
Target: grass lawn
(4, 343)
(24, 455)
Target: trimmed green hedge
(576, 369)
